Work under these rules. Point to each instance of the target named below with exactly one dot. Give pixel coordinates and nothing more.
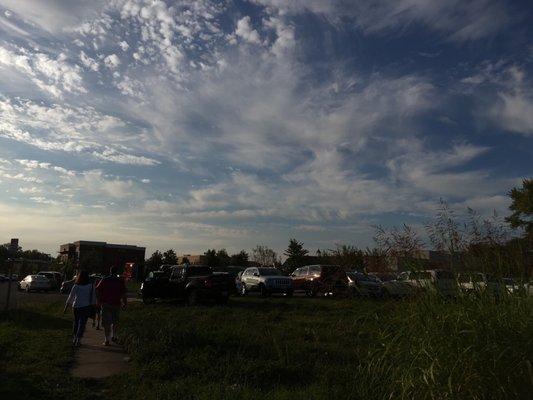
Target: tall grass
(316, 349)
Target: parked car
(266, 281)
(55, 278)
(320, 279)
(238, 283)
(472, 282)
(361, 284)
(231, 273)
(528, 288)
(511, 285)
(193, 283)
(35, 282)
(66, 286)
(14, 277)
(392, 287)
(432, 281)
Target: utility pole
(12, 249)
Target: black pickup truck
(193, 284)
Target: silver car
(265, 281)
(35, 282)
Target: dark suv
(194, 283)
(319, 279)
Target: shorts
(110, 314)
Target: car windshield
(269, 272)
(198, 271)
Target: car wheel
(192, 298)
(263, 291)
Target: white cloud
(124, 45)
(112, 61)
(245, 31)
(456, 19)
(88, 62)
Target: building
(193, 259)
(98, 257)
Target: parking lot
(20, 299)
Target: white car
(433, 281)
(35, 282)
(265, 281)
(472, 282)
(397, 288)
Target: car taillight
(208, 283)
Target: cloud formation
(208, 123)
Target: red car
(319, 279)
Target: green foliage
(522, 207)
(154, 262)
(223, 258)
(318, 349)
(295, 254)
(347, 256)
(35, 354)
(265, 256)
(211, 258)
(240, 259)
(170, 257)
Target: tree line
(496, 245)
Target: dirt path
(93, 360)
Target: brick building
(98, 257)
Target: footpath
(96, 361)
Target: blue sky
(204, 124)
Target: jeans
(81, 315)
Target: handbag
(91, 308)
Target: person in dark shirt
(111, 295)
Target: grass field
(296, 348)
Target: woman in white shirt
(82, 298)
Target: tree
(155, 261)
(401, 246)
(223, 258)
(170, 257)
(295, 255)
(240, 259)
(348, 257)
(211, 258)
(265, 256)
(522, 208)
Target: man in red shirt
(111, 295)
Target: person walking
(111, 295)
(82, 298)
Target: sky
(209, 124)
